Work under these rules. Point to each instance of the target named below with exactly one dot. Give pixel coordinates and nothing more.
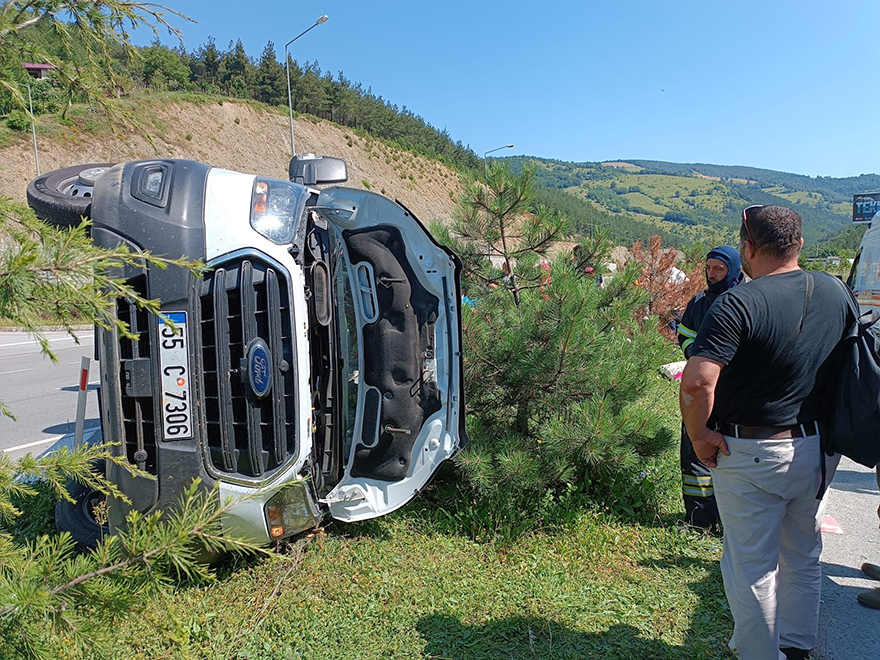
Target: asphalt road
(42, 394)
(847, 629)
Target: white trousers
(766, 493)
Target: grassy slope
(412, 585)
(242, 136)
(395, 589)
(707, 206)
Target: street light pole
(34, 131)
(322, 19)
(488, 216)
(486, 165)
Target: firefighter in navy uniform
(723, 271)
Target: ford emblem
(259, 368)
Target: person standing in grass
(758, 366)
(723, 272)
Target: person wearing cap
(723, 272)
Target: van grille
(242, 301)
(138, 421)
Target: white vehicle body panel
(865, 280)
(228, 231)
(357, 498)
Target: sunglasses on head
(746, 219)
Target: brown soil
(241, 137)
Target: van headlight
(276, 207)
(290, 511)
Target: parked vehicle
(864, 276)
(314, 370)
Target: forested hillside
(832, 189)
(235, 73)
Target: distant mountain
(833, 189)
(687, 202)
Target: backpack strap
(807, 297)
(853, 330)
(853, 303)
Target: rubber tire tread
(51, 206)
(70, 517)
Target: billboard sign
(865, 206)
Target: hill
(687, 202)
(632, 200)
(237, 135)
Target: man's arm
(696, 398)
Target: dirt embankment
(241, 137)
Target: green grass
(409, 586)
(798, 197)
(8, 137)
(711, 195)
(396, 589)
(642, 201)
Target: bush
(46, 96)
(18, 120)
(555, 395)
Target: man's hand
(697, 396)
(708, 446)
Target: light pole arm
(289, 101)
(323, 19)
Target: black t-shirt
(767, 381)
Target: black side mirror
(311, 170)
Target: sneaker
(871, 570)
(792, 653)
(870, 598)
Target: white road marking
(33, 444)
(35, 342)
(14, 371)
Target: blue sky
(780, 84)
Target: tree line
(232, 72)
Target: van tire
(49, 196)
(77, 517)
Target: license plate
(174, 363)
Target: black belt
(769, 432)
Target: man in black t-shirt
(759, 365)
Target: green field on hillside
(687, 203)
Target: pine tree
(558, 366)
(271, 84)
(668, 291)
(505, 227)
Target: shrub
(18, 120)
(555, 389)
(557, 366)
